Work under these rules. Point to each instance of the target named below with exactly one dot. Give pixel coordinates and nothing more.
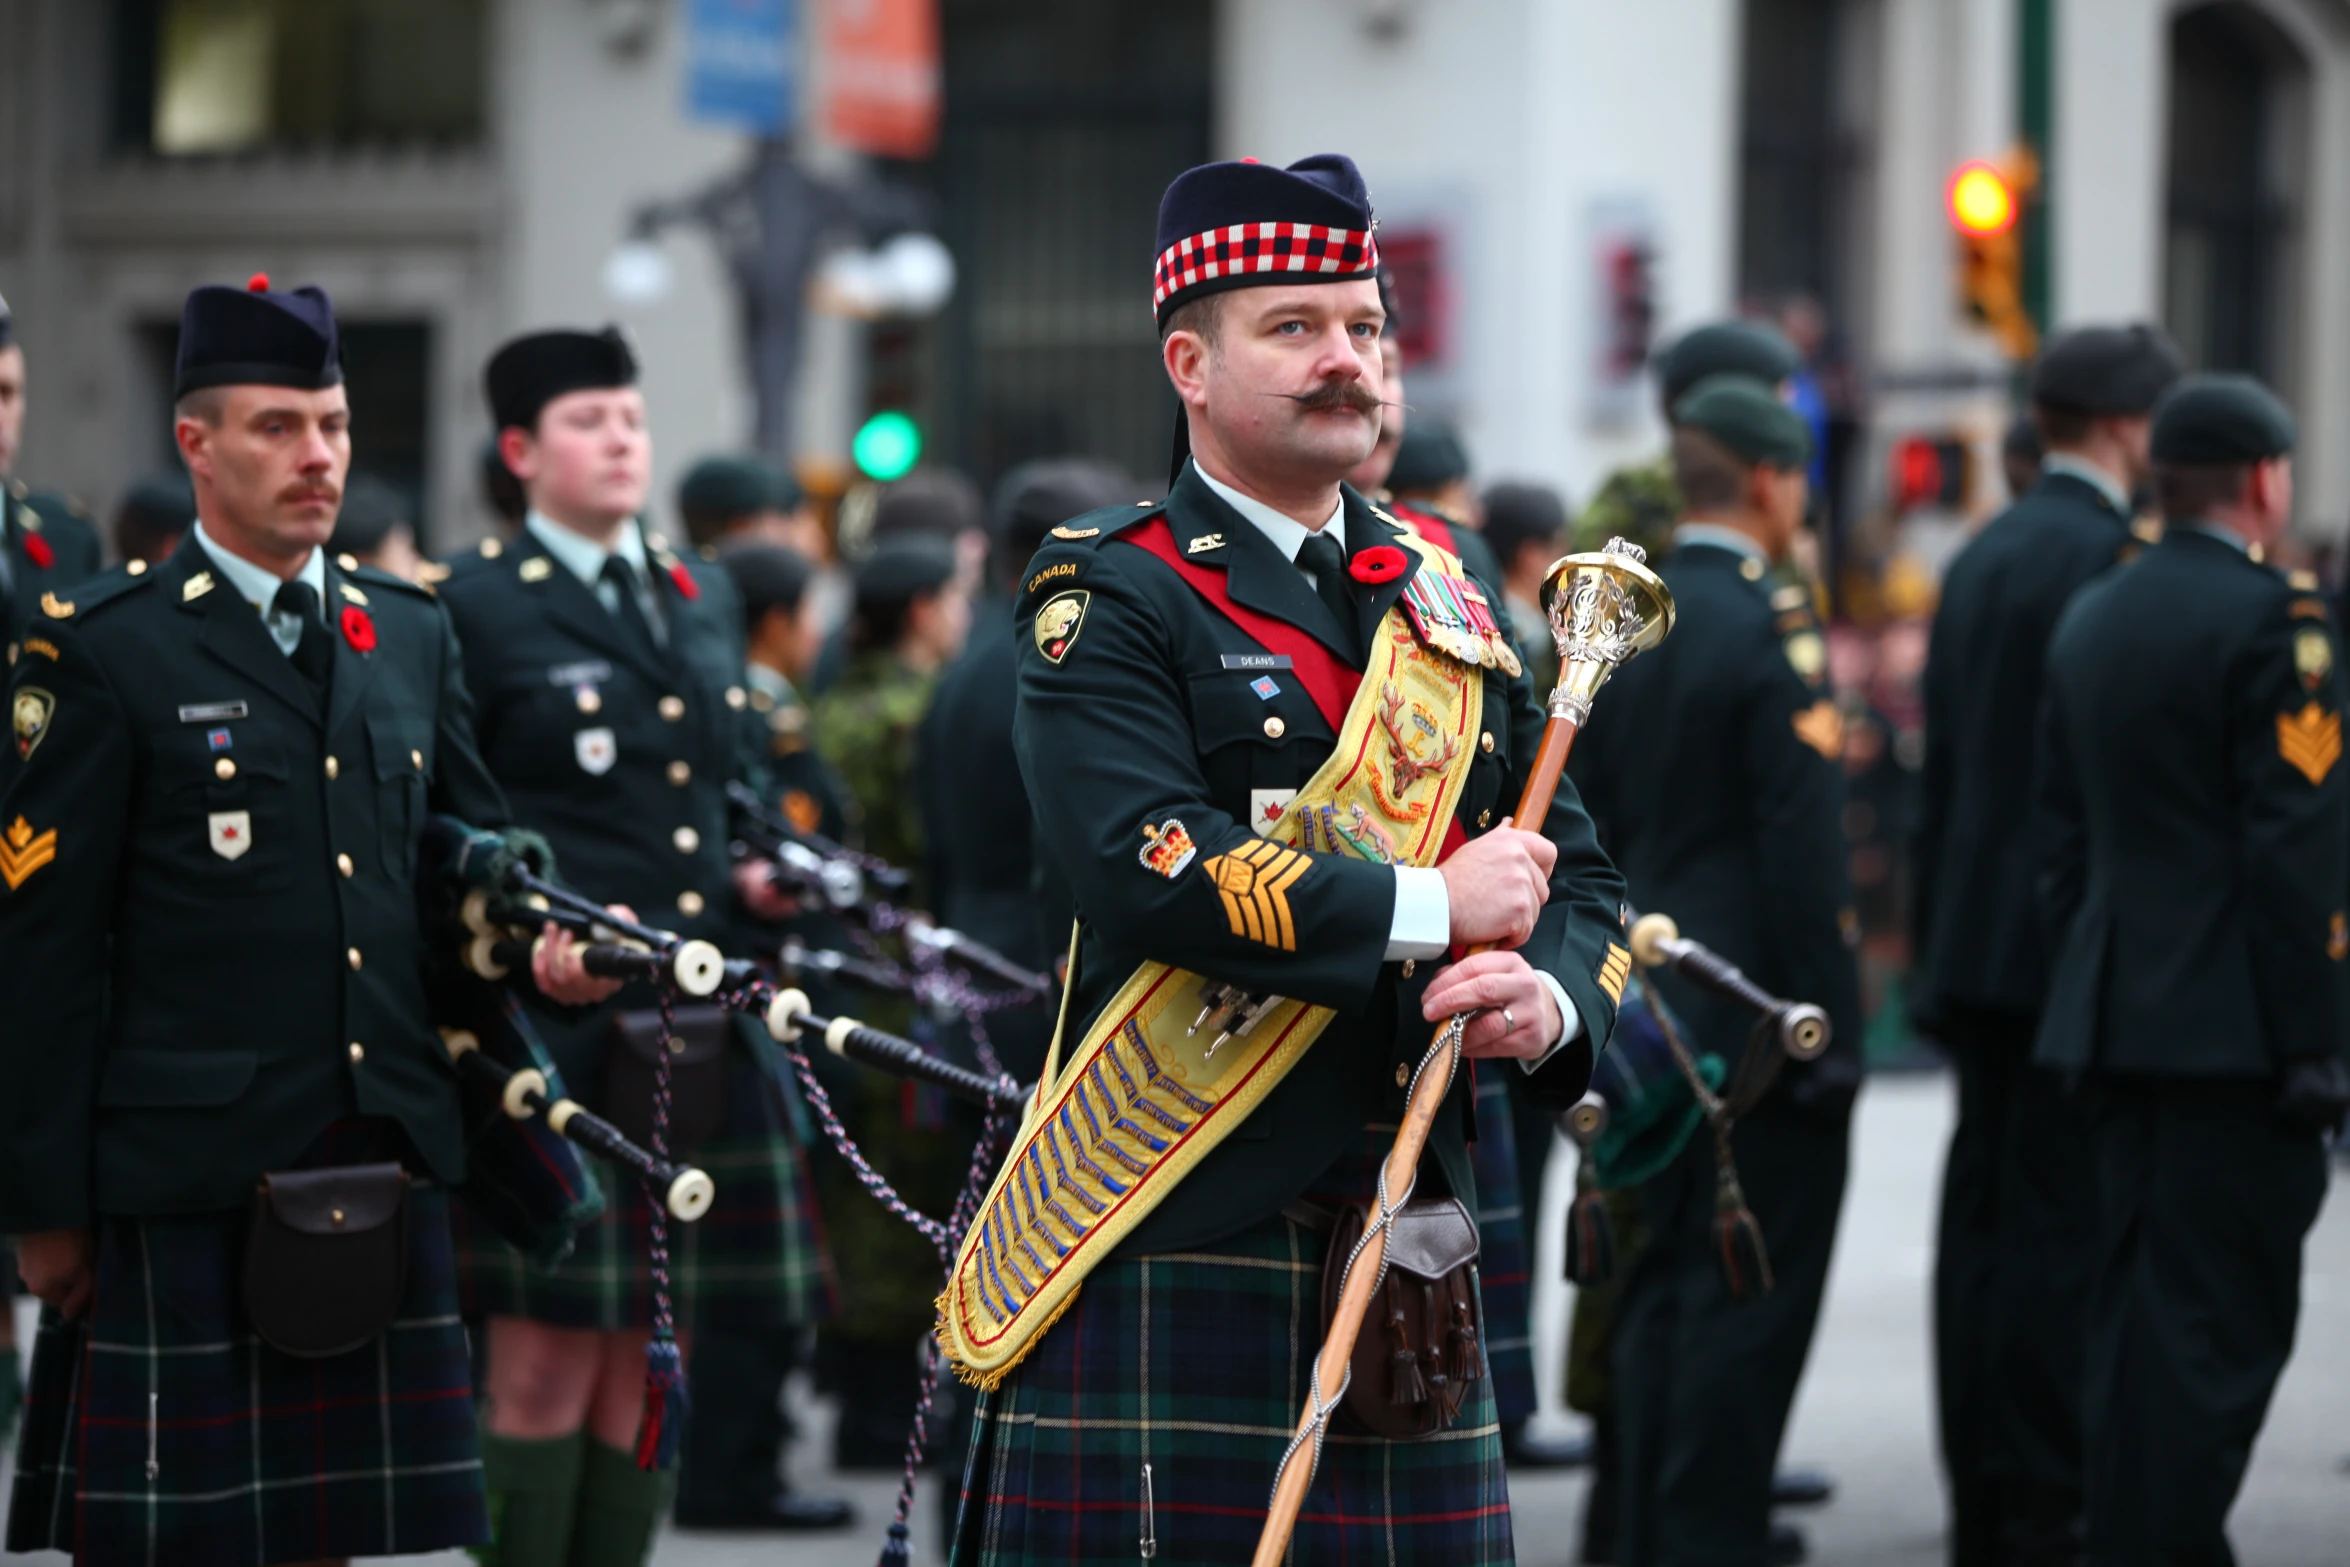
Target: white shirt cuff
(1567, 1013)
(1422, 927)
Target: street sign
(740, 58)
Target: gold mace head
(1604, 607)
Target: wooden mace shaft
(1289, 1493)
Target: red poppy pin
(37, 550)
(358, 630)
(687, 588)
(1380, 563)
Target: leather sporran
(697, 1076)
(326, 1257)
(1419, 1348)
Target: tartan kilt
(1504, 1256)
(158, 1428)
(1196, 1364)
(754, 1263)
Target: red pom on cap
(258, 283)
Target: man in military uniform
(1186, 673)
(2014, 1263)
(2194, 832)
(1719, 790)
(211, 968)
(608, 675)
(1641, 503)
(47, 545)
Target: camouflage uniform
(1641, 504)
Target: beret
(160, 503)
(903, 569)
(2022, 440)
(2110, 370)
(2220, 421)
(1429, 455)
(371, 510)
(1746, 348)
(731, 487)
(1243, 224)
(1518, 514)
(768, 576)
(531, 371)
(256, 336)
(1746, 416)
(1041, 494)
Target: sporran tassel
(1591, 1240)
(1462, 1362)
(1738, 1240)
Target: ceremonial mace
(1603, 608)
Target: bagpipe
(490, 897)
(1650, 1093)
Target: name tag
(211, 712)
(593, 672)
(1256, 661)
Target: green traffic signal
(887, 446)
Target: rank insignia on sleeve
(1166, 848)
(30, 715)
(2338, 936)
(2311, 741)
(1614, 969)
(1821, 727)
(2313, 656)
(1058, 623)
(1254, 882)
(231, 833)
(23, 851)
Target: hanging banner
(739, 64)
(881, 89)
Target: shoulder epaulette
(377, 577)
(1103, 523)
(97, 592)
(486, 554)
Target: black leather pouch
(1419, 1348)
(697, 1076)
(326, 1257)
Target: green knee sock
(619, 1507)
(534, 1496)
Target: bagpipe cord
(663, 1424)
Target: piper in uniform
(609, 680)
(46, 542)
(2194, 832)
(1251, 721)
(211, 967)
(2014, 1259)
(1723, 800)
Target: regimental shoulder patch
(43, 646)
(1066, 572)
(2313, 656)
(1167, 848)
(1254, 882)
(1808, 655)
(23, 851)
(1821, 726)
(30, 714)
(2311, 741)
(1614, 969)
(1058, 622)
(2338, 936)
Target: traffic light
(1984, 201)
(887, 446)
(1931, 470)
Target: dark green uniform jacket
(1150, 714)
(209, 942)
(619, 754)
(2194, 830)
(1709, 767)
(50, 547)
(1977, 923)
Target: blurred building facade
(1562, 183)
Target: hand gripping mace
(1603, 608)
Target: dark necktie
(631, 610)
(314, 654)
(1321, 555)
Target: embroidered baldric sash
(1143, 1098)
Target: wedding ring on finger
(1509, 1022)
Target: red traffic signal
(1930, 470)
